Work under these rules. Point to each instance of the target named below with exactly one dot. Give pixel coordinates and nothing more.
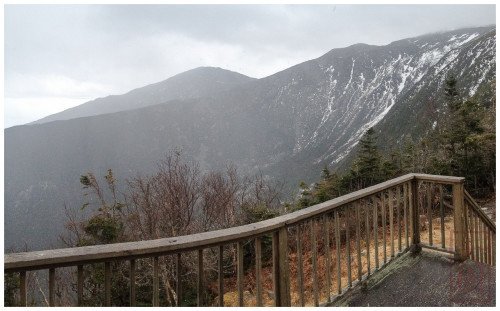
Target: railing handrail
(486, 220)
(99, 253)
(440, 179)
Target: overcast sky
(59, 56)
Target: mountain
(287, 125)
(198, 82)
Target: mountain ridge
(349, 48)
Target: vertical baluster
(485, 238)
(375, 230)
(367, 235)
(429, 212)
(276, 270)
(348, 246)
(472, 236)
(326, 234)
(220, 271)
(314, 264)
(490, 255)
(488, 232)
(489, 245)
(107, 283)
(405, 214)
(337, 241)
(22, 289)
(473, 230)
(398, 215)
(476, 238)
(384, 227)
(483, 241)
(413, 200)
(156, 282)
(480, 234)
(79, 285)
(466, 235)
(132, 283)
(481, 237)
(300, 274)
(52, 287)
(358, 240)
(391, 219)
(178, 275)
(240, 271)
(200, 291)
(493, 249)
(258, 270)
(441, 209)
(492, 237)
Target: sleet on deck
(428, 279)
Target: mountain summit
(198, 82)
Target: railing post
(200, 283)
(22, 289)
(458, 220)
(415, 221)
(52, 287)
(280, 267)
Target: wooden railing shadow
(349, 238)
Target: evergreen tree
(368, 160)
(408, 157)
(451, 93)
(306, 197)
(327, 188)
(392, 167)
(469, 138)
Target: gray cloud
(81, 52)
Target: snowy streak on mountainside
(479, 51)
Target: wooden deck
(429, 279)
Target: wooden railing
(480, 233)
(347, 239)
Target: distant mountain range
(288, 125)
